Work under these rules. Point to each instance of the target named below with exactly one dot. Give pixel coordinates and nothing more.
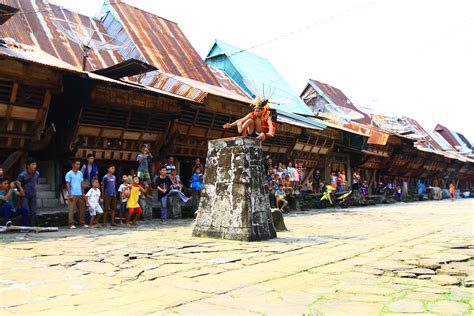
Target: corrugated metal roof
(226, 82)
(457, 140)
(426, 140)
(255, 75)
(190, 88)
(6, 12)
(376, 137)
(35, 55)
(156, 40)
(39, 30)
(301, 121)
(337, 102)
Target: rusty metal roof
(192, 89)
(6, 12)
(38, 29)
(338, 102)
(36, 56)
(158, 41)
(226, 81)
(376, 137)
(457, 140)
(426, 140)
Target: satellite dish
(87, 38)
(270, 91)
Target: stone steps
(45, 196)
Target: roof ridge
(121, 2)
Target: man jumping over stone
(257, 124)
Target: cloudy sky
(397, 57)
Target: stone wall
(233, 203)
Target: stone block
(233, 203)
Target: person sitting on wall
(257, 124)
(163, 185)
(176, 183)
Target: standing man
(170, 166)
(90, 172)
(29, 179)
(75, 190)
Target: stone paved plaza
(386, 260)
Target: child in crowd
(92, 202)
(133, 207)
(296, 176)
(109, 195)
(143, 159)
(196, 187)
(343, 180)
(333, 180)
(288, 186)
(452, 190)
(280, 196)
(398, 192)
(339, 181)
(317, 181)
(291, 173)
(131, 175)
(279, 171)
(284, 170)
(309, 185)
(364, 189)
(124, 191)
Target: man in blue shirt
(29, 179)
(75, 190)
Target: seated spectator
(163, 185)
(8, 192)
(288, 186)
(280, 196)
(176, 183)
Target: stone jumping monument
(233, 203)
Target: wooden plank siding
(25, 96)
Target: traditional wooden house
(128, 97)
(397, 148)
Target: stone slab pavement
(386, 260)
